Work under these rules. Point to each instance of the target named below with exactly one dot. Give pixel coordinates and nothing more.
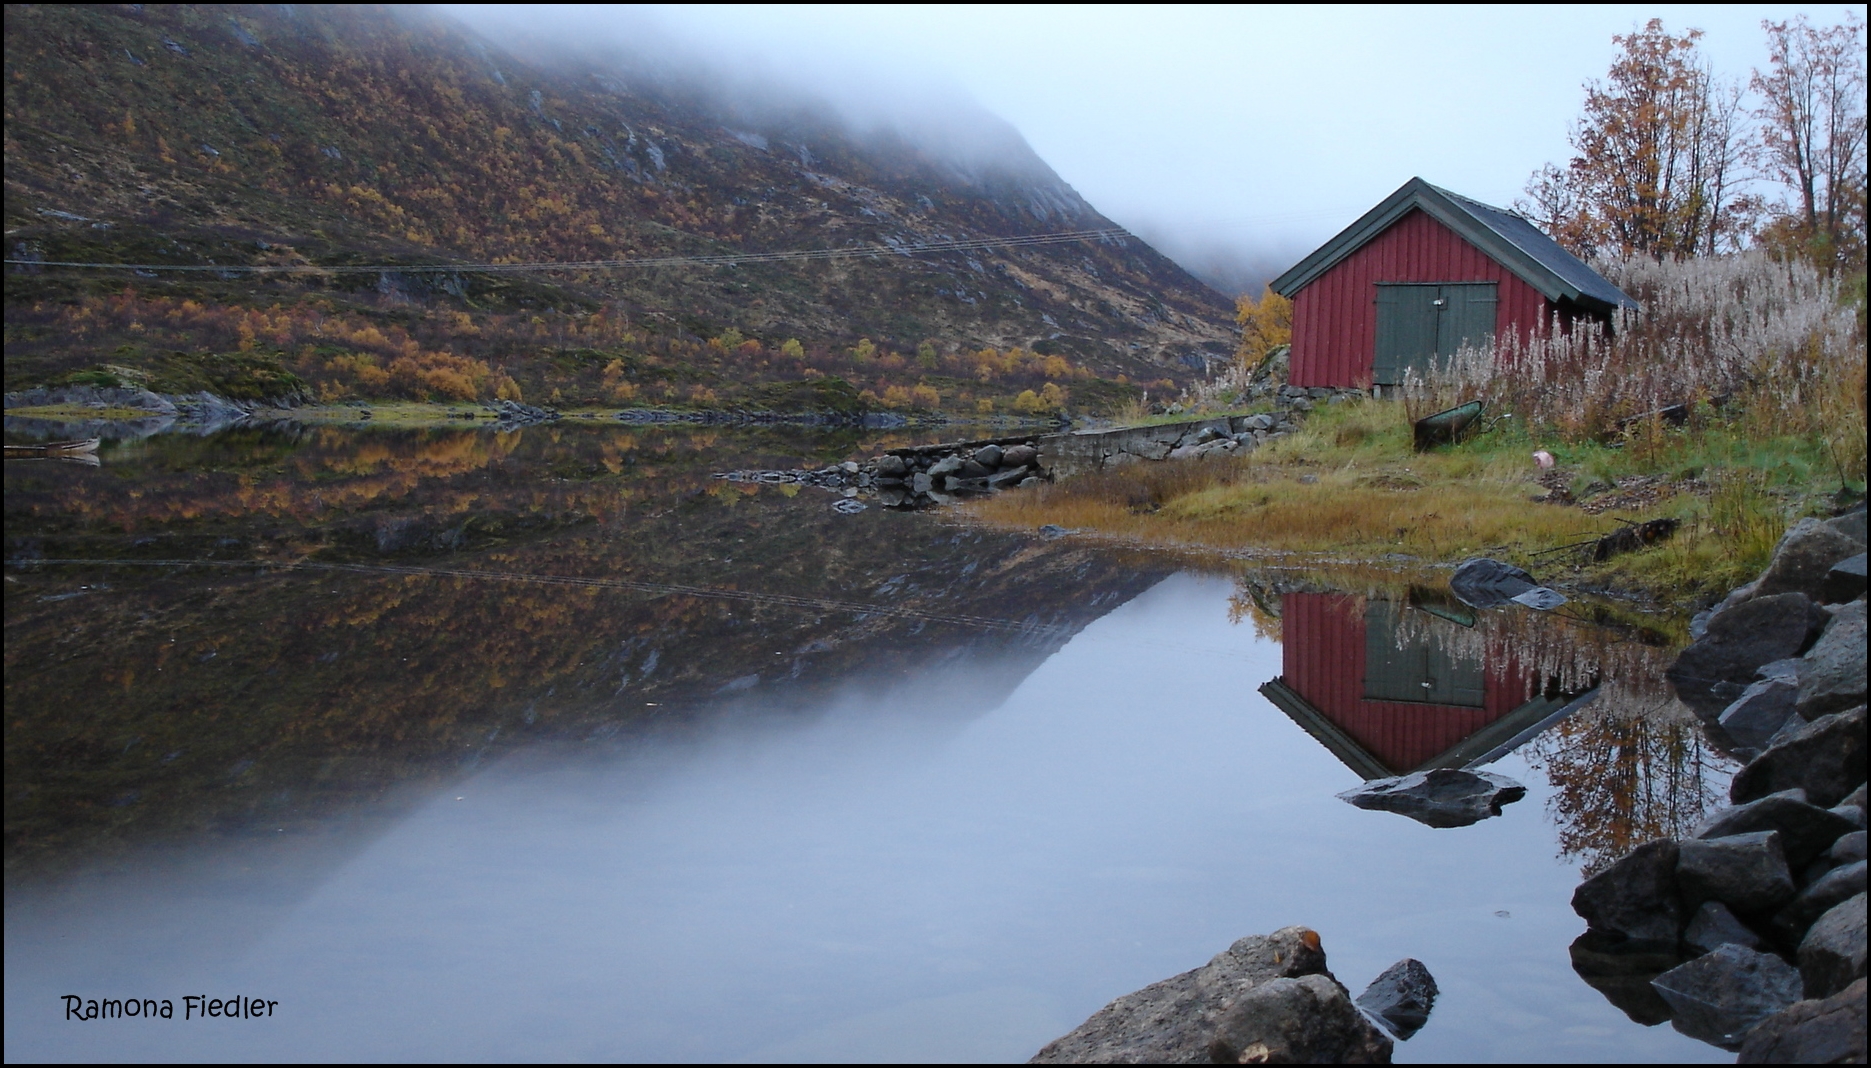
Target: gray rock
(1851, 524)
(1174, 1021)
(1761, 710)
(1739, 640)
(1483, 583)
(971, 469)
(1833, 676)
(1185, 452)
(1720, 996)
(1832, 955)
(1849, 849)
(1805, 553)
(1635, 898)
(1019, 456)
(891, 466)
(1401, 997)
(1845, 581)
(947, 465)
(1746, 872)
(1806, 830)
(1540, 598)
(988, 456)
(1309, 1020)
(923, 482)
(1830, 890)
(1788, 669)
(1825, 758)
(1052, 530)
(1008, 476)
(1443, 797)
(1828, 1031)
(849, 467)
(1263, 421)
(1715, 925)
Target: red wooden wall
(1322, 659)
(1335, 317)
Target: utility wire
(901, 248)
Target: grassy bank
(1348, 488)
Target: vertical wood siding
(1322, 659)
(1335, 319)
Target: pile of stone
(920, 475)
(1267, 999)
(511, 415)
(1750, 933)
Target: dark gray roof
(1508, 239)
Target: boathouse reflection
(1390, 688)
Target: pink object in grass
(1543, 458)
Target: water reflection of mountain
(1390, 689)
(144, 702)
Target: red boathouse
(1422, 274)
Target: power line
(900, 248)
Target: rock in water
(1309, 1020)
(1832, 954)
(1806, 830)
(1761, 710)
(1444, 797)
(1174, 1021)
(1483, 583)
(1402, 997)
(1621, 970)
(1635, 898)
(1739, 641)
(1540, 598)
(1720, 996)
(1747, 872)
(1825, 758)
(1833, 676)
(1714, 925)
(1831, 1031)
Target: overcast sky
(1248, 134)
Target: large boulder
(1825, 758)
(1309, 1020)
(1715, 925)
(1845, 581)
(1483, 583)
(1019, 456)
(1828, 1031)
(1746, 872)
(1174, 1021)
(1636, 897)
(1806, 830)
(1401, 997)
(1738, 642)
(1442, 797)
(1832, 677)
(1805, 553)
(1832, 954)
(1761, 710)
(1720, 996)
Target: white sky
(1245, 133)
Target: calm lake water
(562, 750)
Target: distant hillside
(360, 136)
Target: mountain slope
(359, 136)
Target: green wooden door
(1418, 321)
(1467, 316)
(1407, 327)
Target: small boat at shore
(76, 447)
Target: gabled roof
(1508, 239)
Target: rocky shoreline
(1750, 932)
